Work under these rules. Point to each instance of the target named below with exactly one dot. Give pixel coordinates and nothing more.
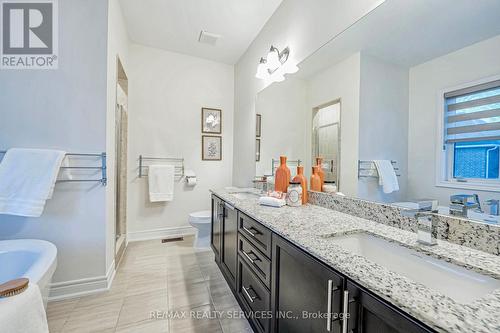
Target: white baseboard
(82, 287)
(134, 236)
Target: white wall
(166, 93)
(383, 123)
(341, 81)
(283, 107)
(118, 43)
(426, 82)
(303, 26)
(64, 109)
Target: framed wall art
(211, 121)
(257, 150)
(211, 148)
(258, 125)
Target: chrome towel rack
(276, 163)
(102, 167)
(367, 169)
(177, 162)
(331, 165)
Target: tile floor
(155, 277)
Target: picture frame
(258, 125)
(211, 148)
(211, 120)
(257, 150)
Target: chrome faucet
(493, 203)
(261, 183)
(426, 224)
(460, 204)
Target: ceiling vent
(208, 38)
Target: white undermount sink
(483, 217)
(456, 282)
(246, 195)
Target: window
(472, 134)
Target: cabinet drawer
(254, 296)
(258, 235)
(260, 264)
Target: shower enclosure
(121, 127)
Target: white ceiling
(175, 25)
(411, 32)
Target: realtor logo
(29, 34)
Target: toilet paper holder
(190, 177)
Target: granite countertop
(310, 226)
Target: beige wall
(303, 26)
(166, 93)
(427, 82)
(64, 109)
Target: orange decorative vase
(282, 179)
(315, 180)
(321, 173)
(300, 178)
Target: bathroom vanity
(294, 274)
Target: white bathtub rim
(44, 264)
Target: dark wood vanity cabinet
(368, 314)
(224, 238)
(284, 289)
(254, 298)
(228, 257)
(306, 294)
(217, 218)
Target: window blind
(473, 113)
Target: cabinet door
(306, 294)
(217, 216)
(368, 314)
(230, 244)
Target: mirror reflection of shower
(326, 139)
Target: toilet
(201, 221)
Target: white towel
(386, 176)
(161, 183)
(273, 202)
(27, 180)
(23, 312)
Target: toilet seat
(201, 221)
(200, 217)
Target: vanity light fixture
(275, 65)
(262, 72)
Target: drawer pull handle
(252, 231)
(329, 307)
(345, 310)
(247, 293)
(247, 255)
(331, 289)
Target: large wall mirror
(403, 85)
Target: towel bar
(103, 180)
(371, 169)
(276, 162)
(177, 162)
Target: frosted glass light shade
(273, 60)
(262, 72)
(277, 75)
(290, 68)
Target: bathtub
(31, 258)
